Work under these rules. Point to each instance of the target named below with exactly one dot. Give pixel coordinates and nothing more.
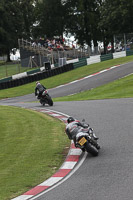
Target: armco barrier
(72, 61)
(35, 77)
(21, 75)
(5, 79)
(82, 62)
(119, 54)
(106, 57)
(129, 52)
(33, 71)
(93, 59)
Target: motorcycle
(87, 142)
(46, 99)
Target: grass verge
(7, 70)
(64, 78)
(121, 88)
(32, 146)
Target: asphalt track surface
(110, 175)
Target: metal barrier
(129, 52)
(93, 59)
(106, 57)
(82, 62)
(28, 78)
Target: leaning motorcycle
(86, 142)
(46, 99)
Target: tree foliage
(116, 16)
(82, 19)
(16, 22)
(87, 20)
(50, 18)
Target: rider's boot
(94, 136)
(98, 147)
(96, 144)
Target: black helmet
(70, 119)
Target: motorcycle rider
(39, 88)
(74, 126)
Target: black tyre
(91, 149)
(50, 101)
(41, 102)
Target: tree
(82, 20)
(27, 8)
(115, 18)
(15, 23)
(50, 18)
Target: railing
(54, 54)
(31, 47)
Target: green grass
(2, 62)
(122, 88)
(31, 149)
(64, 78)
(7, 70)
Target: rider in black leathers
(74, 126)
(39, 88)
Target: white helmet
(38, 83)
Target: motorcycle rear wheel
(50, 101)
(91, 149)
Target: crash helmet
(70, 119)
(38, 83)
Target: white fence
(119, 54)
(93, 59)
(97, 59)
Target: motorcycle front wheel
(91, 149)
